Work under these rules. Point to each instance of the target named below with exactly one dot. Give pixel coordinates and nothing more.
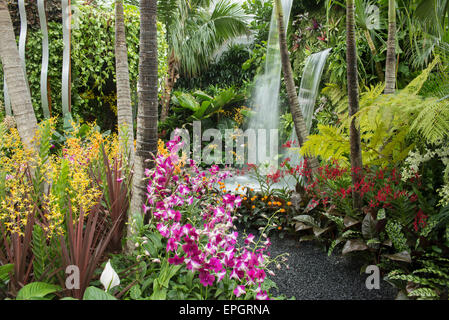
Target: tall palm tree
(124, 108)
(390, 67)
(195, 30)
(19, 93)
(353, 100)
(147, 107)
(298, 118)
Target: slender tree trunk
(353, 99)
(298, 118)
(148, 108)
(390, 68)
(124, 108)
(170, 81)
(15, 79)
(379, 71)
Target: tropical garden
(101, 102)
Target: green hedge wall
(93, 64)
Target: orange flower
(282, 210)
(289, 203)
(269, 203)
(254, 207)
(279, 228)
(245, 198)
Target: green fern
(337, 97)
(385, 121)
(330, 143)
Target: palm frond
(196, 36)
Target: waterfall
(307, 95)
(265, 102)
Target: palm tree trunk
(170, 81)
(353, 99)
(147, 109)
(390, 68)
(124, 108)
(298, 118)
(18, 91)
(379, 71)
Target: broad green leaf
(202, 95)
(187, 101)
(36, 290)
(94, 293)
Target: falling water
(307, 95)
(265, 100)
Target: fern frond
(432, 122)
(416, 84)
(330, 143)
(337, 97)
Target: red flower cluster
(420, 220)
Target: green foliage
(225, 71)
(39, 248)
(204, 106)
(393, 230)
(93, 293)
(37, 291)
(262, 11)
(92, 64)
(5, 270)
(207, 27)
(428, 280)
(387, 124)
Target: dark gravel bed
(313, 275)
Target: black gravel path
(313, 275)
